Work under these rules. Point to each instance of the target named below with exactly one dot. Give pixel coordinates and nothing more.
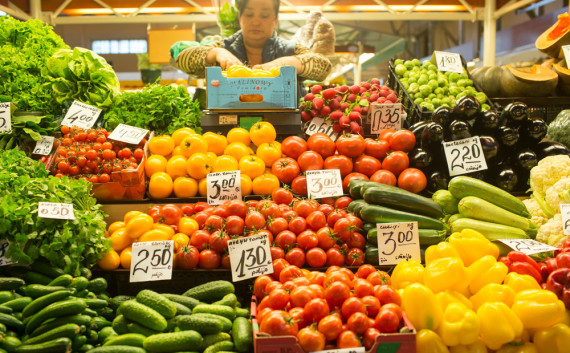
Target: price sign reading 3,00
(321, 125)
(448, 62)
(565, 212)
(55, 210)
(152, 261)
(81, 115)
(324, 183)
(398, 242)
(250, 257)
(385, 116)
(464, 156)
(5, 118)
(128, 134)
(223, 186)
(4, 244)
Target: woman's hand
(283, 61)
(223, 57)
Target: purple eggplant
(420, 158)
(459, 130)
(550, 148)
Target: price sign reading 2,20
(464, 156)
(152, 261)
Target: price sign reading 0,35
(250, 257)
(385, 116)
(152, 261)
(464, 156)
(321, 125)
(81, 115)
(55, 210)
(398, 242)
(128, 134)
(5, 118)
(223, 186)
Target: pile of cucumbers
(380, 203)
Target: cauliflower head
(537, 216)
(552, 232)
(558, 193)
(548, 171)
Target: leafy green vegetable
(27, 128)
(163, 109)
(228, 20)
(15, 163)
(559, 128)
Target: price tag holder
(128, 134)
(81, 115)
(223, 186)
(566, 51)
(527, 246)
(448, 62)
(385, 116)
(4, 244)
(44, 146)
(324, 183)
(344, 350)
(321, 125)
(228, 119)
(55, 210)
(464, 156)
(250, 257)
(398, 242)
(5, 118)
(152, 261)
(565, 212)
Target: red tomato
(344, 228)
(367, 165)
(385, 134)
(214, 222)
(316, 220)
(297, 316)
(316, 257)
(322, 144)
(278, 299)
(342, 202)
(340, 162)
(386, 321)
(277, 225)
(282, 196)
(355, 257)
(307, 240)
(255, 220)
(396, 162)
(326, 209)
(310, 160)
(299, 185)
(237, 208)
(364, 270)
(209, 259)
(234, 225)
(155, 213)
(358, 323)
(297, 225)
(286, 169)
(226, 262)
(362, 288)
(384, 176)
(350, 145)
(386, 294)
(271, 286)
(335, 216)
(286, 240)
(335, 257)
(219, 241)
(304, 208)
(277, 253)
(201, 206)
(279, 324)
(372, 305)
(296, 256)
(187, 258)
(171, 214)
(336, 293)
(278, 266)
(413, 180)
(376, 148)
(187, 209)
(200, 239)
(402, 140)
(262, 313)
(316, 309)
(317, 278)
(369, 337)
(379, 278)
(293, 146)
(301, 295)
(269, 209)
(259, 286)
(352, 305)
(395, 308)
(330, 326)
(352, 176)
(326, 238)
(356, 240)
(348, 339)
(311, 340)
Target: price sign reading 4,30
(128, 134)
(385, 116)
(398, 242)
(344, 350)
(5, 118)
(464, 156)
(324, 183)
(55, 210)
(565, 212)
(448, 62)
(250, 257)
(4, 244)
(527, 246)
(44, 146)
(223, 186)
(152, 261)
(321, 125)
(566, 51)
(81, 115)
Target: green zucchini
(491, 231)
(446, 200)
(431, 236)
(372, 236)
(371, 255)
(358, 207)
(381, 214)
(46, 268)
(32, 277)
(400, 199)
(454, 217)
(354, 188)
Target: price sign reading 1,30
(324, 183)
(527, 246)
(128, 134)
(385, 116)
(464, 156)
(152, 261)
(398, 242)
(321, 125)
(4, 244)
(250, 257)
(81, 115)
(448, 62)
(223, 186)
(5, 118)
(55, 210)
(565, 212)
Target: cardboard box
(286, 123)
(251, 93)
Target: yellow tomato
(154, 164)
(114, 226)
(269, 152)
(130, 215)
(185, 187)
(138, 225)
(261, 73)
(225, 163)
(160, 185)
(180, 240)
(181, 134)
(203, 187)
(212, 157)
(265, 184)
(216, 142)
(187, 225)
(239, 134)
(238, 71)
(262, 132)
(154, 235)
(176, 166)
(275, 71)
(125, 257)
(198, 165)
(177, 151)
(164, 227)
(245, 184)
(237, 150)
(251, 166)
(120, 239)
(109, 261)
(161, 145)
(193, 144)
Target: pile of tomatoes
(331, 310)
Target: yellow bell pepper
(440, 251)
(477, 347)
(520, 282)
(486, 270)
(554, 339)
(493, 292)
(499, 324)
(458, 326)
(421, 307)
(407, 272)
(527, 347)
(538, 308)
(451, 296)
(472, 245)
(428, 341)
(446, 273)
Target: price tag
(565, 212)
(250, 257)
(55, 210)
(344, 350)
(128, 134)
(5, 118)
(448, 62)
(4, 244)
(385, 116)
(152, 261)
(321, 125)
(398, 242)
(324, 183)
(464, 156)
(228, 119)
(81, 115)
(566, 50)
(223, 186)
(44, 146)
(527, 246)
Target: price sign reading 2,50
(152, 261)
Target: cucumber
(106, 333)
(77, 342)
(211, 291)
(98, 322)
(371, 255)
(446, 200)
(158, 302)
(228, 300)
(400, 199)
(10, 321)
(463, 186)
(46, 269)
(242, 312)
(32, 277)
(86, 348)
(39, 290)
(354, 188)
(172, 341)
(85, 272)
(242, 334)
(116, 301)
(227, 323)
(205, 325)
(186, 301)
(43, 301)
(381, 214)
(6, 310)
(128, 339)
(97, 285)
(95, 303)
(142, 314)
(18, 304)
(372, 236)
(81, 320)
(92, 336)
(62, 344)
(79, 283)
(367, 226)
(182, 309)
(6, 296)
(117, 349)
(220, 346)
(89, 312)
(11, 283)
(104, 296)
(119, 324)
(62, 308)
(67, 330)
(133, 327)
(491, 231)
(10, 343)
(106, 313)
(220, 310)
(63, 280)
(215, 338)
(2, 328)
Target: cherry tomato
(200, 239)
(352, 176)
(297, 316)
(307, 240)
(276, 253)
(278, 266)
(362, 288)
(412, 179)
(337, 293)
(187, 209)
(372, 305)
(278, 299)
(384, 176)
(304, 208)
(379, 278)
(214, 222)
(358, 323)
(395, 308)
(277, 225)
(219, 241)
(334, 216)
(289, 273)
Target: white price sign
(5, 118)
(4, 244)
(81, 115)
(152, 261)
(324, 183)
(250, 257)
(128, 134)
(223, 186)
(566, 51)
(448, 62)
(464, 156)
(344, 350)
(55, 210)
(44, 146)
(527, 246)
(565, 212)
(228, 119)
(398, 242)
(321, 125)
(385, 116)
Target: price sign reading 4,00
(324, 183)
(152, 261)
(223, 186)
(398, 242)
(81, 115)
(565, 212)
(250, 257)
(527, 246)
(128, 134)
(385, 116)
(448, 62)
(5, 118)
(464, 156)
(321, 125)
(4, 244)
(55, 210)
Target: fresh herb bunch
(15, 163)
(27, 128)
(163, 109)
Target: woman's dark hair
(241, 4)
